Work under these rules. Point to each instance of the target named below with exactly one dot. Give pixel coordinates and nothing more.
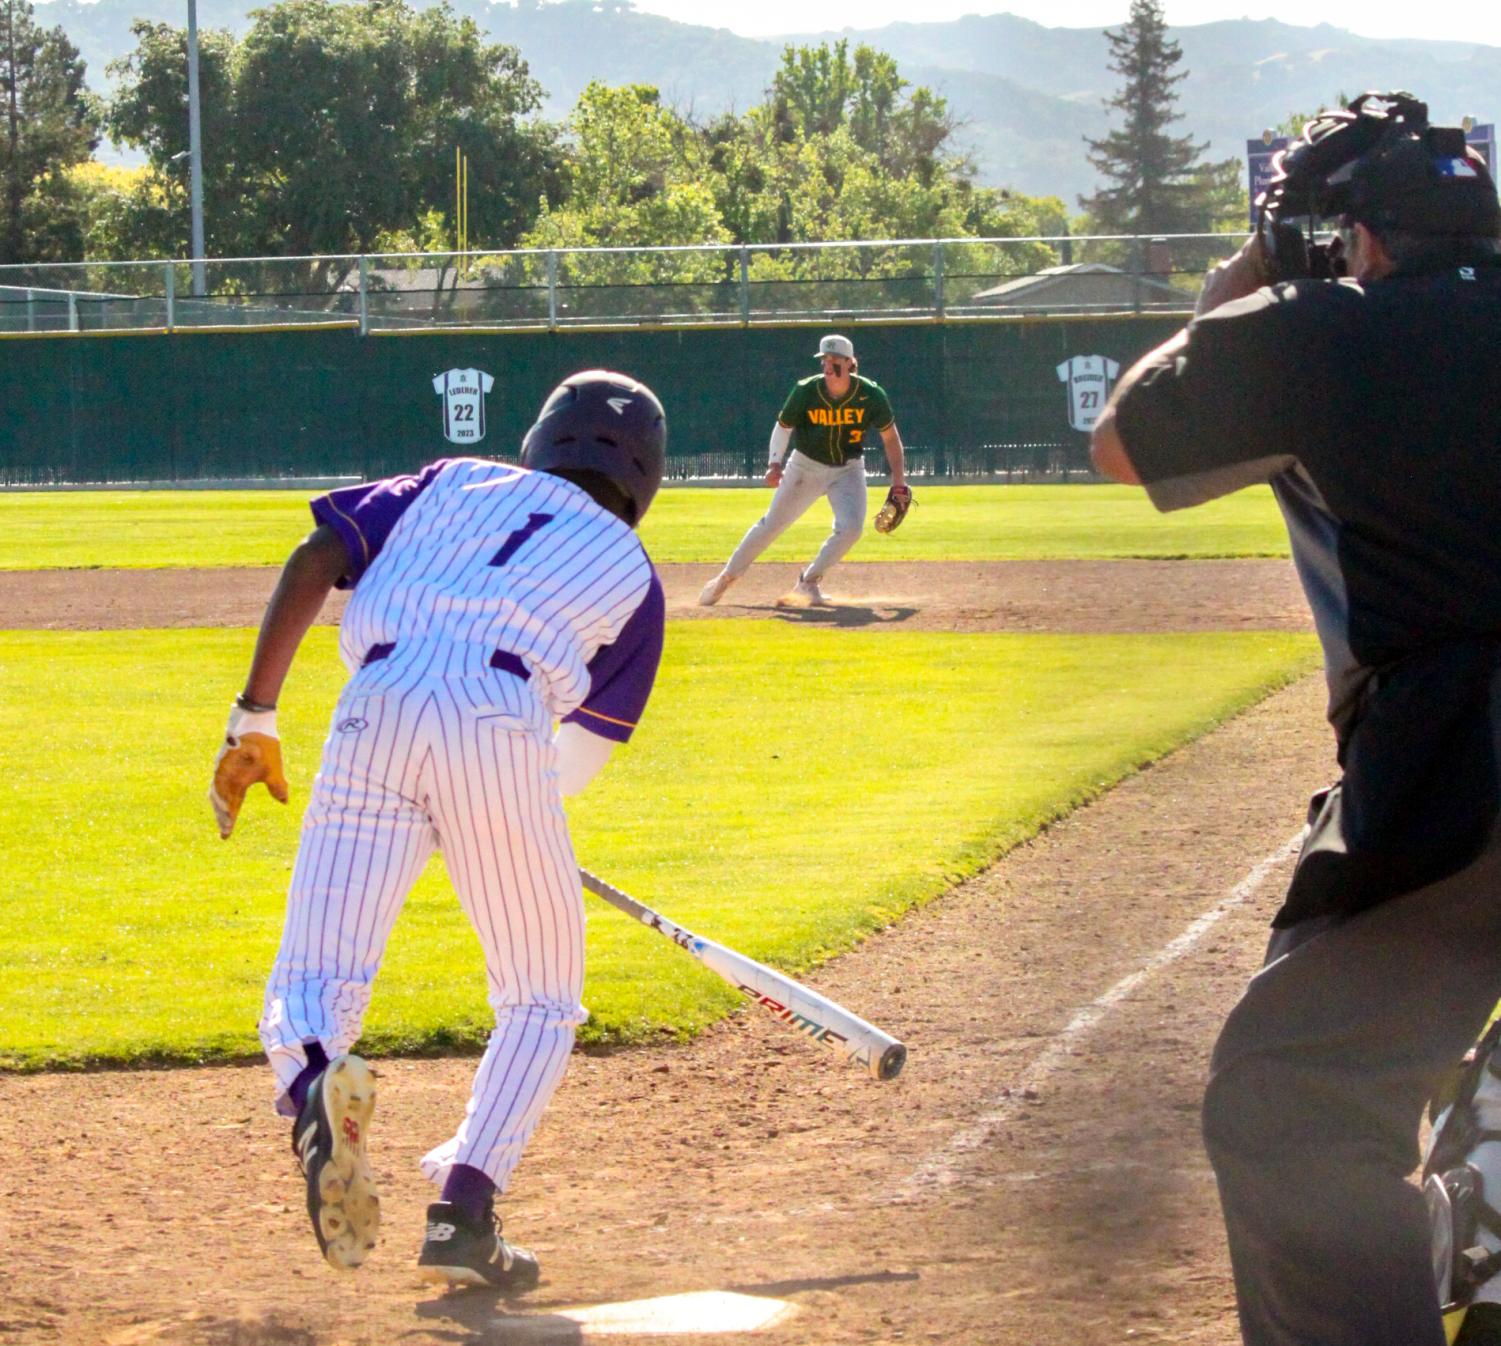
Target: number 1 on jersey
(519, 538)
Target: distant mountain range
(1027, 94)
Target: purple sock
(317, 1062)
(470, 1190)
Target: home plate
(702, 1313)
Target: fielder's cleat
(713, 591)
(329, 1141)
(805, 594)
(462, 1251)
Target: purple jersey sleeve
(364, 515)
(621, 675)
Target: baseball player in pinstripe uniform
(828, 420)
(489, 602)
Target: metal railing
(706, 285)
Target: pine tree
(49, 123)
(1152, 173)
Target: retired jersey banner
(1089, 379)
(463, 393)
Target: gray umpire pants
(1316, 1092)
(803, 482)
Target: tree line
(331, 128)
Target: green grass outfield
(950, 523)
(790, 789)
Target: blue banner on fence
(1259, 155)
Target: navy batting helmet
(600, 421)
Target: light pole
(195, 152)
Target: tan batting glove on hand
(251, 752)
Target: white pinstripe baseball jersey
(470, 557)
(488, 602)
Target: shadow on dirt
(825, 1283)
(844, 614)
(481, 1318)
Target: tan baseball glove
(251, 752)
(898, 502)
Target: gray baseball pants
(803, 482)
(1316, 1092)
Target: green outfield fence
(297, 367)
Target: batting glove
(251, 752)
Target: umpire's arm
(1235, 278)
(1106, 448)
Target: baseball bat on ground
(794, 1004)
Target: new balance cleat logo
(460, 1250)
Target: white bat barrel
(804, 1010)
(795, 1005)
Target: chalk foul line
(945, 1165)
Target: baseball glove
(898, 502)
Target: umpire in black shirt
(1372, 404)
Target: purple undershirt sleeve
(364, 515)
(621, 675)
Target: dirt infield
(1034, 1175)
(1080, 596)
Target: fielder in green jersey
(828, 421)
(830, 429)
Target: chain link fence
(880, 280)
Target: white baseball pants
(466, 765)
(803, 481)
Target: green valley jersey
(830, 431)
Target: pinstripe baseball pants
(465, 765)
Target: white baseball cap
(836, 345)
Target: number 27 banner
(1089, 379)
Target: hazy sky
(1459, 20)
